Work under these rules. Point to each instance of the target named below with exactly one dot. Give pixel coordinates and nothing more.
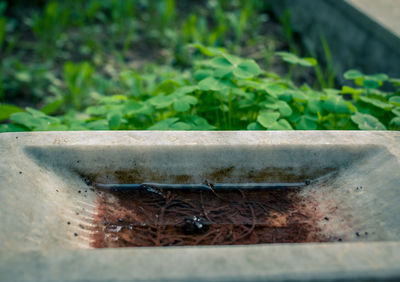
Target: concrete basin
(49, 207)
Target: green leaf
(314, 105)
(353, 74)
(181, 105)
(377, 103)
(299, 95)
(180, 126)
(231, 64)
(234, 60)
(102, 110)
(284, 108)
(208, 51)
(307, 122)
(380, 77)
(370, 83)
(101, 124)
(7, 110)
(11, 128)
(113, 99)
(267, 119)
(331, 91)
(395, 121)
(312, 61)
(35, 113)
(164, 124)
(132, 107)
(114, 120)
(395, 100)
(23, 76)
(336, 104)
(281, 124)
(52, 107)
(367, 122)
(185, 90)
(202, 74)
(255, 126)
(199, 123)
(246, 69)
(34, 120)
(295, 60)
(396, 111)
(220, 62)
(161, 101)
(274, 89)
(210, 83)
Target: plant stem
(230, 110)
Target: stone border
(358, 36)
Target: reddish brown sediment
(188, 217)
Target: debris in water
(175, 217)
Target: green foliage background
(136, 65)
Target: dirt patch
(153, 217)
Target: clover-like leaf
(267, 119)
(284, 108)
(377, 103)
(100, 124)
(296, 60)
(254, 126)
(202, 74)
(307, 122)
(353, 74)
(246, 69)
(395, 100)
(336, 104)
(241, 68)
(164, 124)
(395, 121)
(161, 101)
(199, 123)
(183, 104)
(210, 83)
(367, 122)
(114, 119)
(281, 124)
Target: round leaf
(210, 83)
(352, 74)
(336, 104)
(281, 124)
(267, 119)
(367, 122)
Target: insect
(195, 224)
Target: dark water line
(204, 187)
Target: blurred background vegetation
(166, 64)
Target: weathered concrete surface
(361, 34)
(384, 12)
(41, 176)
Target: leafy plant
(224, 92)
(171, 65)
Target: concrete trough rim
(239, 263)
